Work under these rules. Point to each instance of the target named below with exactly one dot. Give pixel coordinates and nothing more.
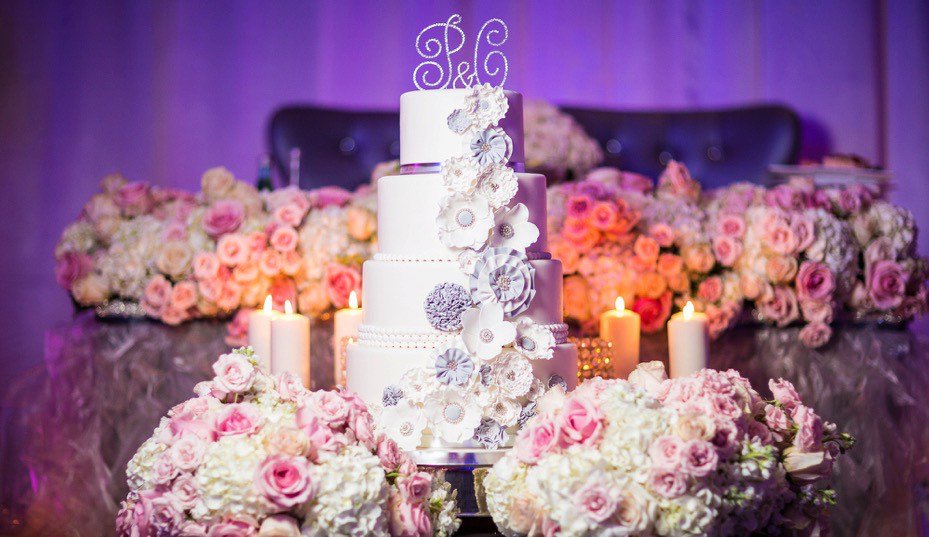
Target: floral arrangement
(481, 383)
(255, 454)
(556, 144)
(618, 235)
(183, 256)
(698, 455)
(796, 252)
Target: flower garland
(698, 455)
(255, 454)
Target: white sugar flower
(461, 174)
(498, 185)
(417, 384)
(453, 415)
(534, 340)
(486, 105)
(491, 146)
(464, 221)
(512, 373)
(512, 229)
(467, 259)
(504, 410)
(485, 332)
(460, 121)
(403, 423)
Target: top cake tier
(425, 137)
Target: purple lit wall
(163, 90)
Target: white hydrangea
(352, 491)
(226, 476)
(139, 470)
(77, 237)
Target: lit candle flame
(620, 304)
(688, 311)
(269, 304)
(288, 307)
(353, 300)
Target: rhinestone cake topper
(447, 38)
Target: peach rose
(216, 183)
(651, 285)
(101, 207)
(90, 290)
(245, 272)
(710, 289)
(232, 249)
(284, 239)
(184, 295)
(647, 249)
(679, 283)
(289, 215)
(781, 269)
(663, 234)
(270, 262)
(157, 294)
(578, 232)
(670, 265)
(341, 280)
(229, 296)
(698, 257)
(313, 299)
(361, 223)
(576, 302)
(603, 215)
(291, 263)
(727, 250)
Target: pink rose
(579, 206)
(676, 181)
(886, 282)
(647, 249)
(781, 307)
(815, 335)
(665, 451)
(184, 492)
(285, 481)
(289, 214)
(727, 250)
(330, 407)
(237, 419)
(634, 182)
(292, 263)
(809, 430)
(777, 234)
(539, 437)
(667, 483)
(284, 239)
(725, 439)
(784, 393)
(270, 263)
(72, 266)
(164, 469)
(408, 519)
(815, 282)
(710, 289)
(329, 196)
(206, 266)
(670, 265)
(603, 215)
(580, 421)
(281, 290)
(157, 294)
(182, 426)
(290, 387)
(606, 175)
(184, 295)
(234, 373)
(230, 296)
(731, 225)
(653, 312)
(699, 458)
(362, 426)
(416, 487)
(786, 197)
(341, 280)
(187, 452)
(663, 234)
(134, 199)
(234, 527)
(816, 312)
(290, 195)
(390, 454)
(595, 501)
(101, 208)
(807, 467)
(321, 436)
(232, 249)
(157, 514)
(804, 230)
(224, 216)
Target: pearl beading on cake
(373, 336)
(532, 256)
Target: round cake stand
(464, 469)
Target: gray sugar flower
(491, 434)
(491, 146)
(459, 121)
(504, 276)
(392, 395)
(454, 366)
(557, 380)
(526, 414)
(445, 304)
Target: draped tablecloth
(69, 428)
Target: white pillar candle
(688, 342)
(290, 344)
(622, 327)
(259, 332)
(346, 323)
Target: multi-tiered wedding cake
(462, 323)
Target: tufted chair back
(341, 147)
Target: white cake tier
(408, 206)
(425, 137)
(394, 291)
(371, 369)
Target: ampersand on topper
(447, 39)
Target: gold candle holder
(594, 357)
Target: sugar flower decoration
(498, 185)
(445, 304)
(503, 276)
(467, 259)
(453, 365)
(403, 423)
(491, 434)
(512, 229)
(461, 175)
(460, 121)
(392, 395)
(504, 410)
(526, 413)
(557, 380)
(453, 415)
(512, 373)
(486, 105)
(485, 333)
(491, 146)
(417, 384)
(534, 341)
(464, 221)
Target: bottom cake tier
(370, 369)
